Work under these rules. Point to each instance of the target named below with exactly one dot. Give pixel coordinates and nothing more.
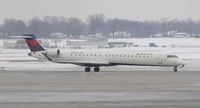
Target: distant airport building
(10, 43)
(152, 45)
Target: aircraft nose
(181, 62)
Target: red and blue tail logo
(33, 44)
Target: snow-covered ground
(1, 43)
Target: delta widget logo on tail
(33, 44)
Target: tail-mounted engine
(53, 53)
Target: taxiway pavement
(115, 89)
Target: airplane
(102, 57)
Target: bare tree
(13, 27)
(96, 23)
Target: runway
(116, 89)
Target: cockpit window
(172, 56)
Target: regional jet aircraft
(102, 57)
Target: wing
(89, 63)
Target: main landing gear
(96, 69)
(87, 69)
(175, 69)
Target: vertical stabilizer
(32, 43)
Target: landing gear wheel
(96, 69)
(87, 69)
(175, 69)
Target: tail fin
(32, 43)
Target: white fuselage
(109, 57)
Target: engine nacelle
(53, 52)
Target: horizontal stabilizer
(21, 37)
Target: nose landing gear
(175, 69)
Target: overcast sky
(126, 9)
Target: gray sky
(126, 9)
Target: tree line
(96, 24)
